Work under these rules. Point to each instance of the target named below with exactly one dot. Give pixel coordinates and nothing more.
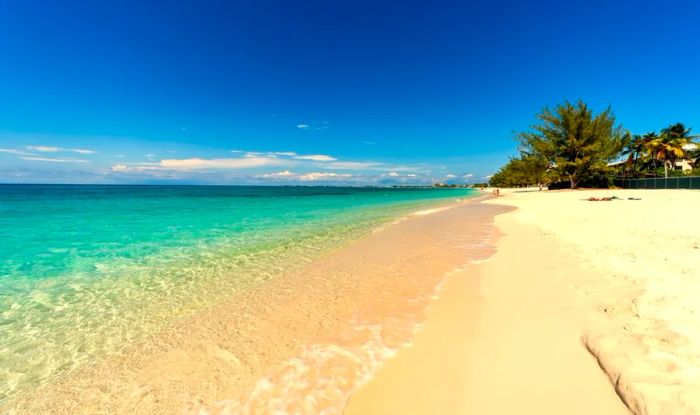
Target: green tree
(636, 151)
(576, 144)
(671, 145)
(525, 170)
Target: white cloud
(316, 157)
(467, 176)
(450, 176)
(313, 127)
(326, 161)
(197, 163)
(396, 175)
(14, 151)
(230, 163)
(138, 168)
(46, 149)
(352, 165)
(335, 169)
(307, 177)
(292, 154)
(51, 149)
(289, 154)
(121, 168)
(150, 169)
(281, 174)
(54, 160)
(369, 165)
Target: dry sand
(575, 286)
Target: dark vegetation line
(573, 147)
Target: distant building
(449, 185)
(683, 165)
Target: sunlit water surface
(84, 270)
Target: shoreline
(490, 345)
(332, 321)
(79, 317)
(487, 305)
(586, 307)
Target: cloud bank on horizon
(238, 167)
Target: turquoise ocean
(84, 270)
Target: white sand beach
(584, 308)
(587, 307)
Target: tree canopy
(521, 171)
(674, 143)
(574, 142)
(670, 145)
(570, 144)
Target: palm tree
(677, 130)
(645, 154)
(635, 150)
(670, 145)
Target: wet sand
(298, 343)
(502, 338)
(585, 306)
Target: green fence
(680, 182)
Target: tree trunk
(666, 169)
(573, 182)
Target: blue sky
(349, 92)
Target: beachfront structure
(684, 165)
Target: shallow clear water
(86, 269)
